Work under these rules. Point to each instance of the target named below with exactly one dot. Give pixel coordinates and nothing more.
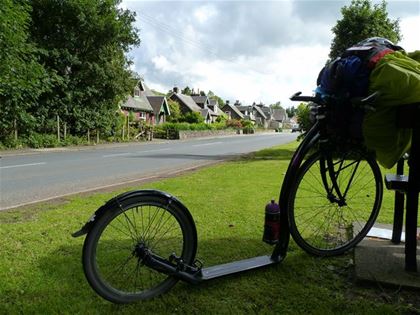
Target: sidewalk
(381, 261)
(27, 151)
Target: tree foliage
(276, 105)
(175, 111)
(302, 113)
(65, 58)
(361, 20)
(218, 99)
(192, 118)
(22, 77)
(186, 91)
(291, 111)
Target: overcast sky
(252, 51)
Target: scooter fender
(121, 200)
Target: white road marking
(205, 144)
(147, 151)
(131, 153)
(116, 154)
(23, 165)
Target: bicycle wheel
(334, 202)
(110, 262)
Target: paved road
(29, 178)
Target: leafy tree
(186, 91)
(202, 93)
(302, 113)
(175, 111)
(192, 118)
(291, 111)
(362, 20)
(22, 77)
(218, 99)
(85, 42)
(277, 105)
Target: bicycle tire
(312, 212)
(109, 261)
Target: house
(204, 102)
(214, 106)
(160, 108)
(232, 111)
(187, 104)
(246, 110)
(260, 116)
(200, 100)
(138, 104)
(145, 105)
(278, 118)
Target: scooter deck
(237, 266)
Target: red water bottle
(272, 223)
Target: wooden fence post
(15, 131)
(128, 127)
(88, 136)
(58, 128)
(97, 136)
(65, 131)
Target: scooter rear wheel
(111, 261)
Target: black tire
(320, 223)
(109, 262)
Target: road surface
(44, 175)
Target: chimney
(176, 90)
(227, 102)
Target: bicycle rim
(330, 216)
(111, 265)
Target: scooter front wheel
(112, 262)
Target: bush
(37, 140)
(74, 140)
(11, 143)
(192, 117)
(234, 123)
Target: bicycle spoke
(331, 207)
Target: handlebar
(358, 101)
(297, 97)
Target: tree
(175, 111)
(85, 44)
(291, 111)
(192, 118)
(302, 113)
(362, 20)
(22, 77)
(277, 105)
(218, 99)
(186, 91)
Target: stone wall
(187, 134)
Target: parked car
(296, 128)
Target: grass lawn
(41, 271)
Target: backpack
(348, 75)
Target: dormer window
(136, 91)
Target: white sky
(250, 51)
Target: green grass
(41, 271)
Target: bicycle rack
(408, 116)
